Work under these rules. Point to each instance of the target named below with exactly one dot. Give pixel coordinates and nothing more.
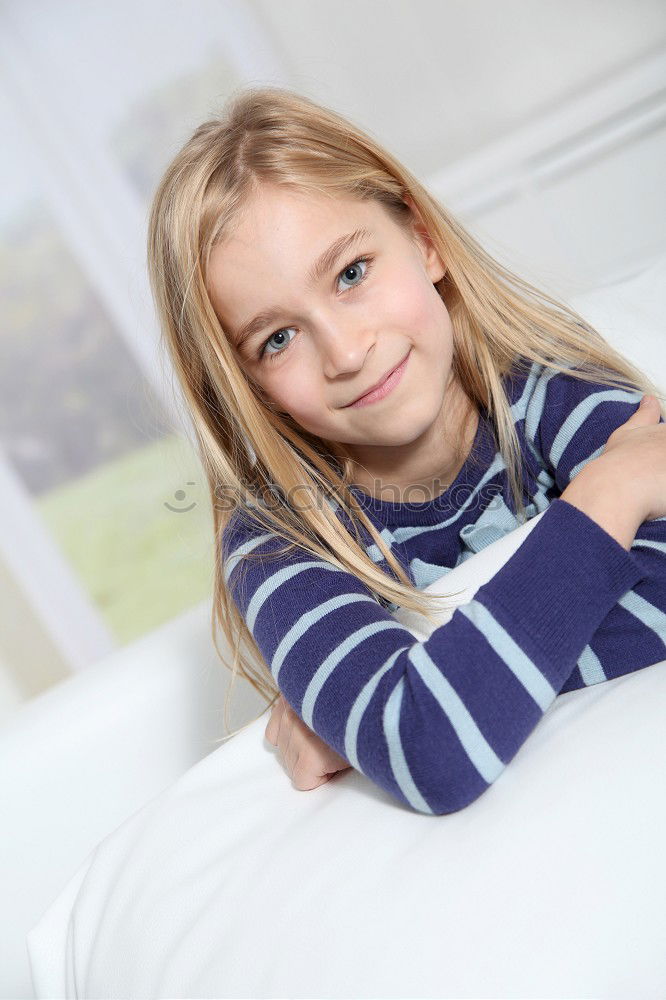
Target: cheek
(292, 391)
(411, 303)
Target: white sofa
(78, 761)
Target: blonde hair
(273, 135)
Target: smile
(383, 390)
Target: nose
(344, 348)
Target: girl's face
(329, 323)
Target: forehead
(289, 215)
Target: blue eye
(265, 355)
(354, 265)
(278, 333)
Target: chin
(407, 432)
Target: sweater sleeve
(432, 722)
(569, 421)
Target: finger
(647, 410)
(307, 771)
(305, 781)
(289, 722)
(288, 746)
(273, 727)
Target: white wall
(437, 80)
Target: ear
(434, 265)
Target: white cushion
(234, 883)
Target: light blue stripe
(508, 650)
(263, 592)
(534, 409)
(660, 546)
(576, 469)
(540, 376)
(404, 534)
(474, 743)
(540, 500)
(373, 549)
(580, 413)
(362, 701)
(651, 617)
(307, 620)
(425, 573)
(399, 764)
(232, 560)
(325, 670)
(535, 381)
(494, 522)
(519, 408)
(590, 667)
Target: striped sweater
(435, 722)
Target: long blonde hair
(273, 135)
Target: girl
(375, 399)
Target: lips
(372, 388)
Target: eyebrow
(321, 267)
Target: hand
(626, 484)
(309, 761)
(635, 453)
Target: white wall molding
(589, 125)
